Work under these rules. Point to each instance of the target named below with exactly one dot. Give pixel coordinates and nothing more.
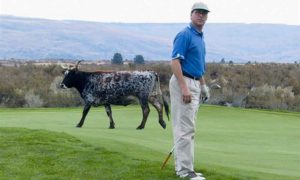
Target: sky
(156, 11)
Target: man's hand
(186, 95)
(176, 68)
(205, 92)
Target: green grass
(40, 154)
(231, 143)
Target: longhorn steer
(117, 88)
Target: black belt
(189, 76)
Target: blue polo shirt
(189, 48)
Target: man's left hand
(205, 92)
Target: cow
(117, 88)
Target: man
(186, 85)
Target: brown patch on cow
(108, 79)
(117, 77)
(104, 71)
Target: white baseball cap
(200, 5)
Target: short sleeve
(180, 46)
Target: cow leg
(109, 114)
(84, 113)
(145, 111)
(159, 107)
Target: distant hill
(27, 38)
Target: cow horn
(76, 66)
(64, 66)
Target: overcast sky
(162, 11)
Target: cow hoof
(163, 124)
(111, 127)
(79, 126)
(140, 128)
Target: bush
(268, 86)
(33, 100)
(269, 97)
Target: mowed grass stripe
(40, 154)
(237, 143)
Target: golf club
(203, 100)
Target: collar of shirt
(194, 30)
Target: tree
(117, 59)
(222, 61)
(139, 59)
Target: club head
(204, 99)
(215, 86)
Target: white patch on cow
(66, 72)
(90, 97)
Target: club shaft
(168, 157)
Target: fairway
(231, 143)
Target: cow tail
(165, 102)
(166, 105)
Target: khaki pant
(183, 118)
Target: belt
(189, 76)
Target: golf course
(230, 143)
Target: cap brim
(201, 9)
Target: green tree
(139, 59)
(222, 61)
(117, 59)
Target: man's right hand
(186, 95)
(176, 68)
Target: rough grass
(40, 154)
(230, 144)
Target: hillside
(26, 38)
